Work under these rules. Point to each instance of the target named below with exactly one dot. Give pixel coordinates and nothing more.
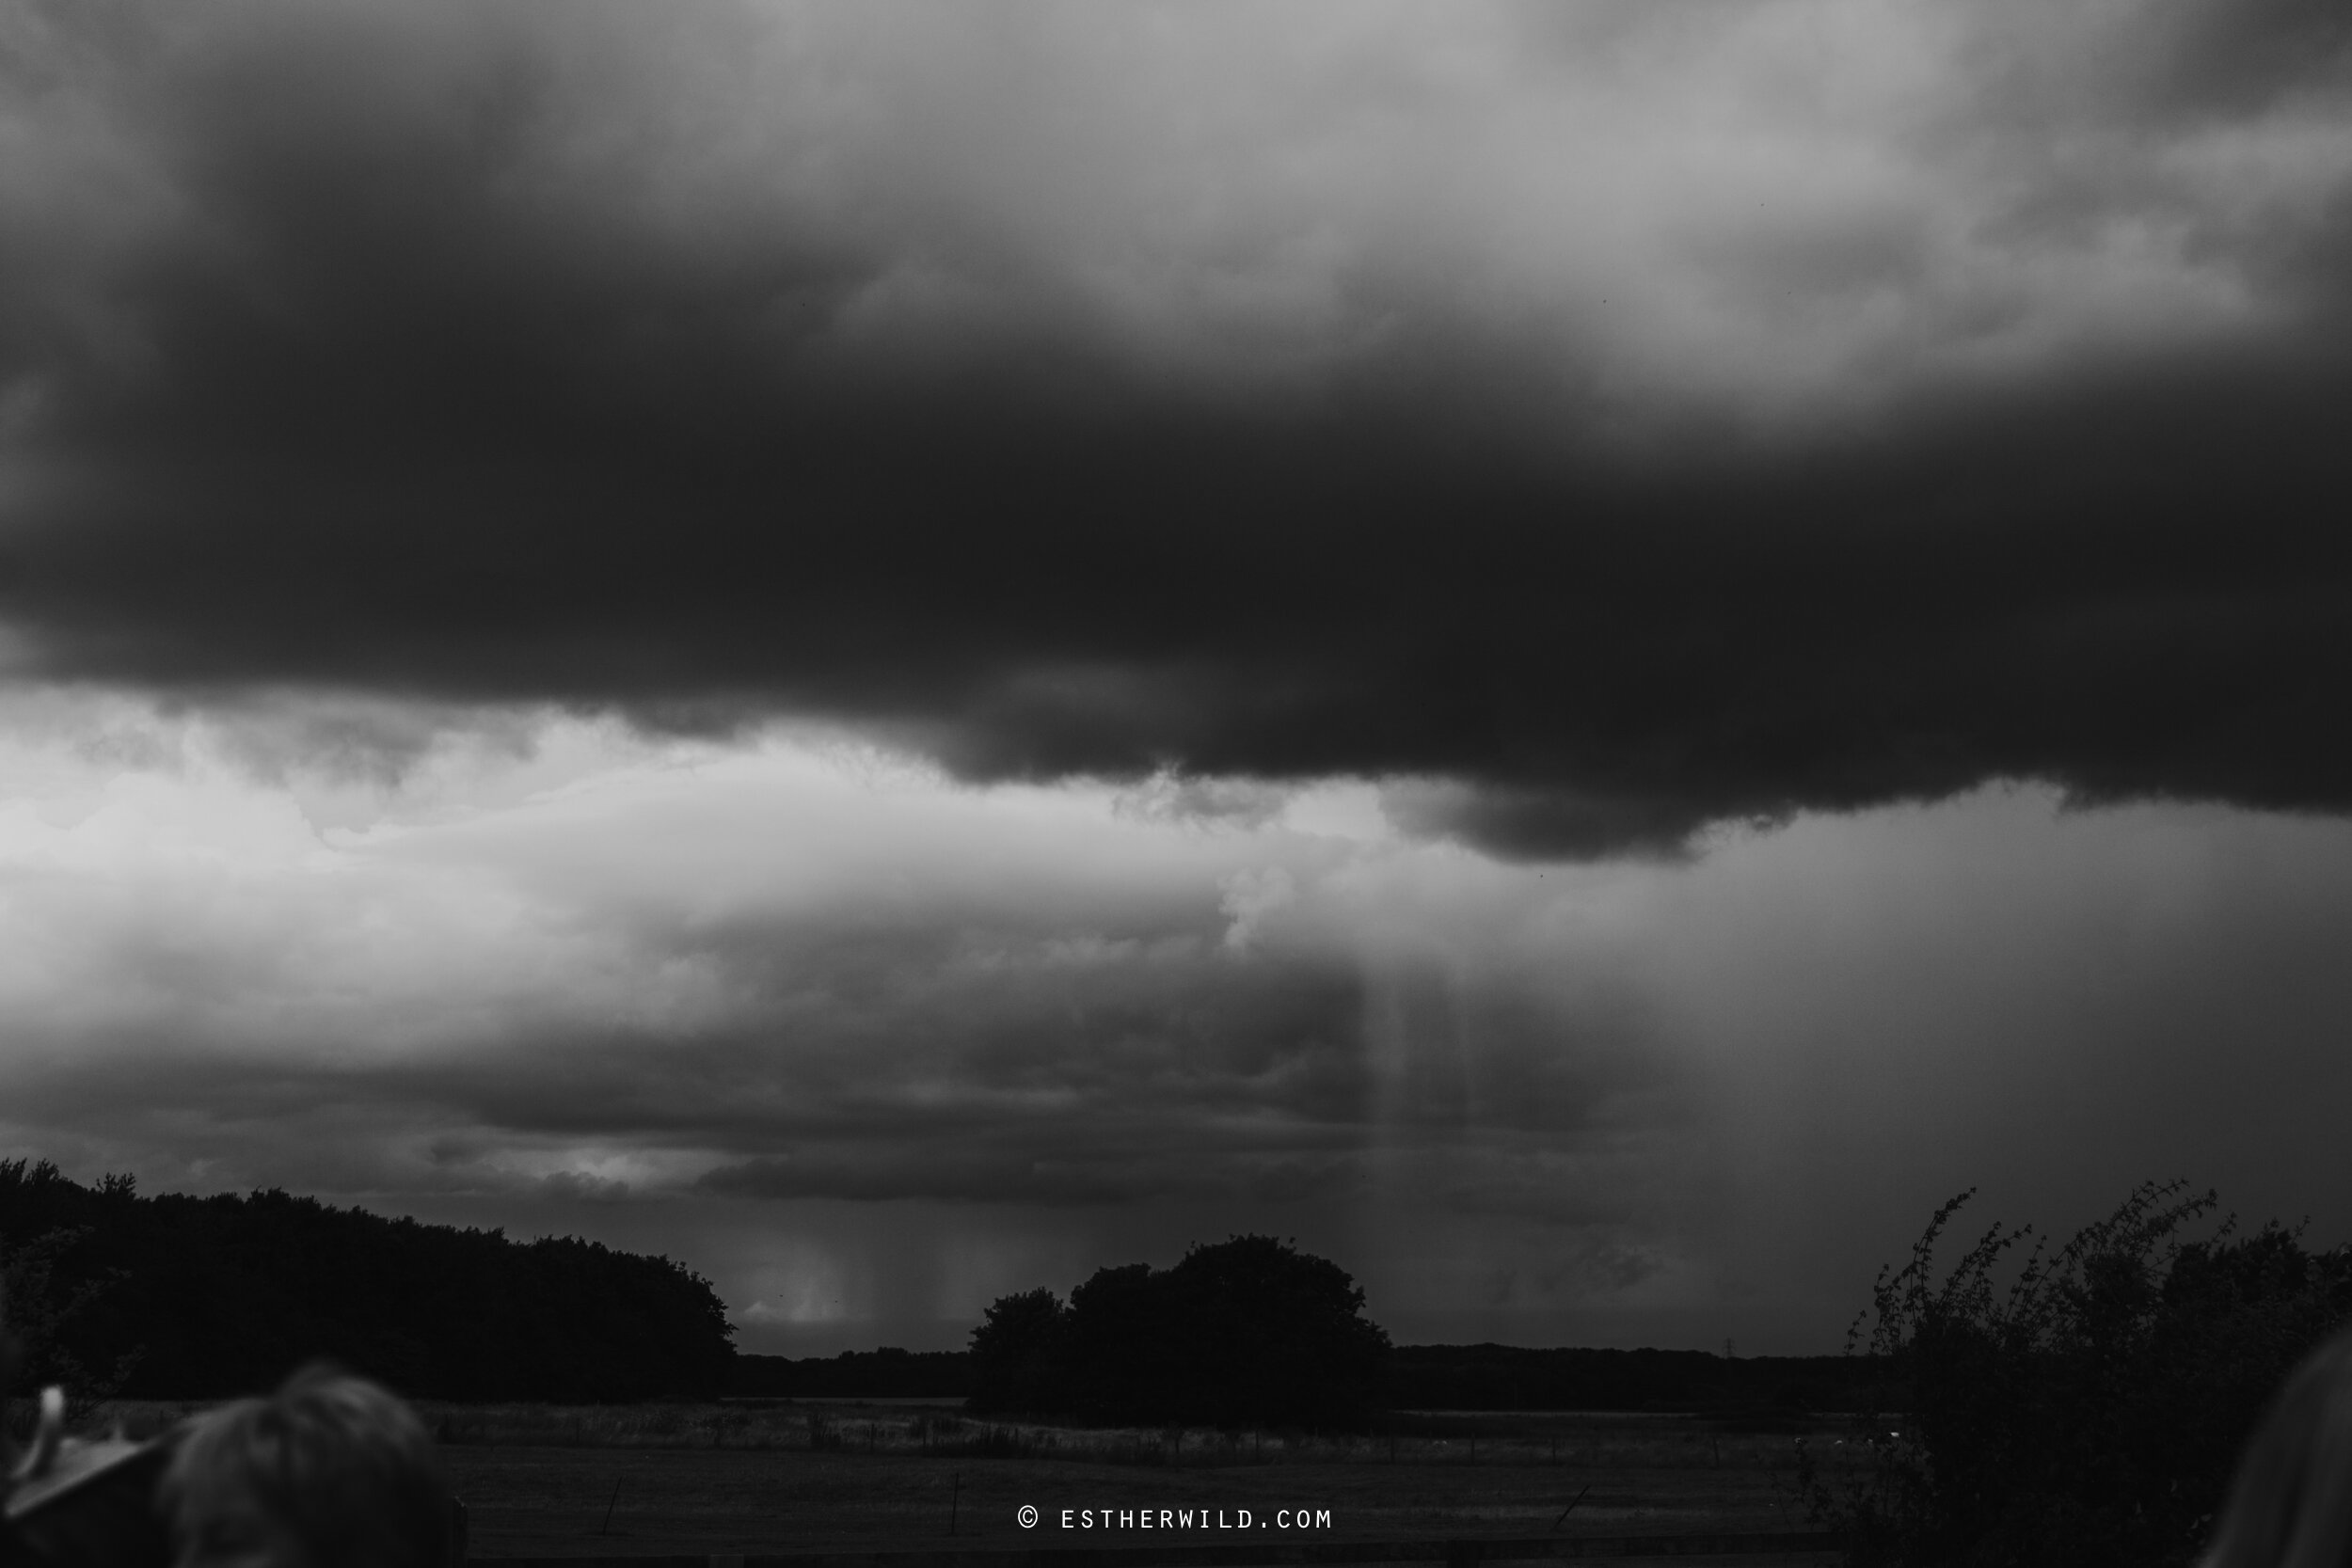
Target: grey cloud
(2232, 61)
(1759, 1066)
(576, 1187)
(1091, 1164)
(955, 1052)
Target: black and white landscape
(1586, 655)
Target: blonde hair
(2291, 1505)
(341, 1463)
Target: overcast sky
(1585, 655)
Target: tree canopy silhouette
(180, 1297)
(1248, 1332)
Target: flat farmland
(643, 1479)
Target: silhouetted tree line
(179, 1297)
(889, 1372)
(1248, 1332)
(1749, 1391)
(2089, 1412)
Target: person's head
(331, 1472)
(2291, 1505)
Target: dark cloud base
(408, 407)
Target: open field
(770, 1476)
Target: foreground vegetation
(2088, 1414)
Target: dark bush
(1249, 1332)
(36, 1313)
(1016, 1354)
(2090, 1413)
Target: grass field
(630, 1479)
(751, 1479)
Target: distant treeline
(179, 1297)
(887, 1373)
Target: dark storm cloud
(707, 369)
(2233, 60)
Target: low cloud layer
(871, 1047)
(824, 972)
(1623, 419)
